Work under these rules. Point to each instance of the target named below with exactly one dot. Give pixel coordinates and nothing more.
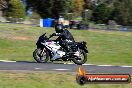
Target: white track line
(73, 63)
(37, 68)
(105, 65)
(68, 63)
(125, 66)
(88, 64)
(6, 61)
(102, 65)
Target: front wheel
(40, 55)
(82, 59)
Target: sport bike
(51, 50)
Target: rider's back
(67, 35)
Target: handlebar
(47, 38)
(44, 34)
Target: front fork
(42, 52)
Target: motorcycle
(51, 50)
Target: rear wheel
(41, 56)
(82, 59)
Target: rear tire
(83, 58)
(40, 59)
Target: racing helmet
(59, 28)
(61, 20)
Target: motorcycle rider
(65, 38)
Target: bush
(101, 14)
(16, 10)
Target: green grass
(47, 80)
(105, 47)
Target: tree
(87, 15)
(101, 14)
(44, 8)
(50, 8)
(78, 7)
(122, 12)
(16, 9)
(61, 7)
(88, 4)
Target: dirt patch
(21, 38)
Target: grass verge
(17, 42)
(47, 80)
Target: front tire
(81, 60)
(40, 58)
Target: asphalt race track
(33, 66)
